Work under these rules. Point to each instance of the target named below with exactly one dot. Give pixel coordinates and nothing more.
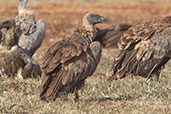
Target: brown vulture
(110, 36)
(144, 49)
(68, 62)
(33, 32)
(13, 59)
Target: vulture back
(144, 49)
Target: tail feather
(54, 86)
(51, 86)
(44, 85)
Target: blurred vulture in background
(33, 32)
(109, 37)
(67, 63)
(144, 49)
(0, 36)
(13, 59)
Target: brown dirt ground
(61, 19)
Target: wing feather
(144, 49)
(140, 32)
(76, 69)
(63, 51)
(146, 58)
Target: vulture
(110, 36)
(33, 32)
(13, 59)
(68, 62)
(144, 49)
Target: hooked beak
(101, 18)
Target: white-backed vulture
(144, 49)
(13, 59)
(110, 36)
(67, 63)
(33, 32)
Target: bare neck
(88, 26)
(91, 29)
(10, 40)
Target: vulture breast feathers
(13, 59)
(144, 49)
(69, 62)
(33, 31)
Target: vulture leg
(79, 85)
(151, 71)
(158, 74)
(76, 95)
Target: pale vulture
(144, 49)
(110, 36)
(67, 63)
(13, 59)
(33, 32)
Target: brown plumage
(69, 62)
(144, 49)
(110, 36)
(13, 59)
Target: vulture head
(22, 5)
(8, 24)
(10, 39)
(90, 19)
(23, 11)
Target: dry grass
(130, 95)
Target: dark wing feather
(109, 37)
(149, 54)
(63, 51)
(139, 32)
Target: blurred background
(62, 16)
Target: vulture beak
(101, 19)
